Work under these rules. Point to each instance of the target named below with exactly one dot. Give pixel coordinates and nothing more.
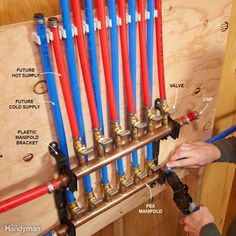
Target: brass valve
(151, 167)
(138, 175)
(164, 109)
(135, 125)
(100, 142)
(118, 134)
(81, 151)
(124, 183)
(151, 118)
(74, 209)
(109, 192)
(93, 201)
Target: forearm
(209, 230)
(227, 148)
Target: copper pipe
(62, 230)
(113, 155)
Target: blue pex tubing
(74, 79)
(115, 67)
(132, 56)
(150, 32)
(94, 73)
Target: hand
(193, 223)
(196, 155)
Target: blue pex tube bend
(114, 50)
(49, 75)
(115, 67)
(222, 134)
(71, 63)
(47, 67)
(93, 59)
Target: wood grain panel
(218, 179)
(14, 11)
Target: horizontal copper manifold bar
(128, 148)
(62, 230)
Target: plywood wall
(223, 174)
(194, 49)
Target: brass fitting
(166, 110)
(74, 209)
(109, 192)
(135, 125)
(118, 134)
(93, 201)
(151, 167)
(100, 142)
(124, 183)
(81, 151)
(138, 175)
(151, 118)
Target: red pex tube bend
(64, 79)
(29, 195)
(125, 57)
(106, 60)
(143, 53)
(159, 46)
(84, 60)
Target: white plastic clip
(50, 35)
(97, 24)
(137, 16)
(108, 22)
(155, 13)
(85, 27)
(147, 14)
(62, 32)
(74, 30)
(128, 18)
(118, 20)
(36, 38)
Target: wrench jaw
(109, 192)
(124, 183)
(138, 175)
